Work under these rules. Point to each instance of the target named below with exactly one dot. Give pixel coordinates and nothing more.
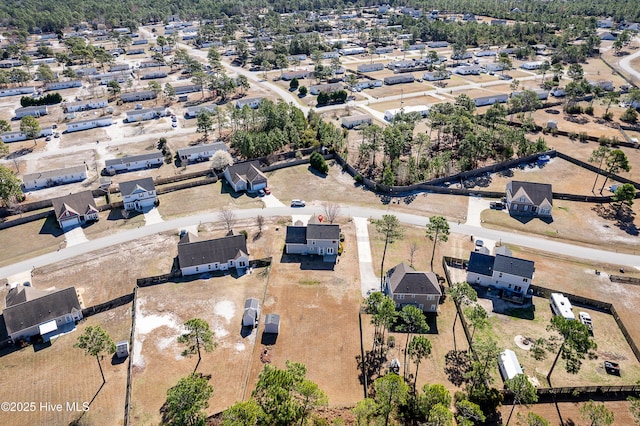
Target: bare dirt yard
(568, 413)
(61, 374)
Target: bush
(358, 178)
(588, 110)
(630, 116)
(303, 91)
(573, 109)
(294, 84)
(245, 233)
(318, 162)
(49, 99)
(340, 249)
(607, 116)
(583, 136)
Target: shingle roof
(78, 203)
(514, 266)
(146, 184)
(403, 279)
(133, 159)
(251, 303)
(50, 174)
(481, 263)
(217, 146)
(323, 232)
(249, 171)
(33, 312)
(211, 251)
(296, 235)
(536, 191)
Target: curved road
(510, 237)
(625, 64)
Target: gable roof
(481, 263)
(78, 204)
(144, 184)
(514, 266)
(219, 250)
(323, 232)
(21, 294)
(134, 158)
(403, 279)
(42, 309)
(249, 172)
(217, 146)
(538, 192)
(56, 173)
(296, 235)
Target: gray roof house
(218, 254)
(320, 239)
(75, 209)
(138, 194)
(134, 162)
(31, 312)
(503, 272)
(245, 177)
(251, 312)
(198, 153)
(529, 198)
(409, 287)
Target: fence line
(127, 402)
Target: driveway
(474, 210)
(75, 236)
(271, 201)
(152, 216)
(368, 278)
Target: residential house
(49, 178)
(150, 64)
(501, 272)
(531, 65)
(14, 91)
(198, 153)
(470, 70)
(290, 75)
(356, 120)
(151, 75)
(607, 36)
(481, 53)
(134, 162)
(119, 67)
(529, 198)
(541, 93)
(135, 115)
(320, 239)
(33, 314)
(92, 123)
(272, 324)
(490, 100)
(61, 85)
(187, 88)
(384, 50)
(143, 95)
(352, 51)
(85, 105)
(245, 177)
(606, 85)
(138, 194)
(367, 84)
(437, 44)
(252, 103)
(21, 136)
(436, 75)
(325, 88)
(399, 79)
(376, 66)
(494, 67)
(75, 209)
(251, 313)
(405, 286)
(605, 23)
(218, 254)
(193, 111)
(423, 110)
(33, 111)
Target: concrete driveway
(271, 201)
(75, 236)
(368, 278)
(152, 216)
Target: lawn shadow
(245, 331)
(268, 339)
(39, 346)
(226, 189)
(116, 360)
(316, 173)
(50, 227)
(457, 364)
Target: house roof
(217, 146)
(133, 159)
(248, 171)
(481, 263)
(296, 235)
(51, 174)
(538, 192)
(219, 250)
(272, 319)
(42, 309)
(251, 303)
(21, 294)
(514, 266)
(503, 250)
(323, 232)
(78, 203)
(403, 279)
(144, 184)
(188, 237)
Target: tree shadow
(373, 363)
(623, 218)
(316, 173)
(457, 363)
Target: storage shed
(122, 349)
(272, 324)
(509, 364)
(251, 312)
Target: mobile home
(560, 305)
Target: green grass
(309, 282)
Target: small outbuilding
(509, 365)
(272, 324)
(251, 312)
(122, 349)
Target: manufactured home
(92, 123)
(49, 178)
(356, 120)
(134, 162)
(423, 110)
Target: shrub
(318, 162)
(49, 99)
(588, 110)
(340, 249)
(358, 178)
(583, 136)
(303, 91)
(294, 84)
(245, 233)
(572, 136)
(607, 116)
(573, 109)
(630, 116)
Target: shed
(272, 324)
(122, 349)
(509, 364)
(251, 312)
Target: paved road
(626, 64)
(510, 237)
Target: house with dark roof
(138, 194)
(500, 271)
(199, 153)
(75, 209)
(134, 162)
(529, 198)
(320, 239)
(218, 254)
(245, 177)
(405, 286)
(33, 313)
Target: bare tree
(331, 211)
(260, 223)
(227, 216)
(413, 248)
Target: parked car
(298, 203)
(585, 318)
(612, 368)
(261, 193)
(497, 205)
(479, 243)
(267, 190)
(48, 138)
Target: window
(522, 199)
(525, 280)
(329, 250)
(209, 266)
(196, 269)
(500, 276)
(241, 264)
(509, 285)
(399, 296)
(413, 296)
(430, 297)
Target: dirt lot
(61, 373)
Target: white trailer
(560, 305)
(509, 365)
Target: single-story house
(34, 111)
(84, 105)
(92, 123)
(325, 88)
(490, 100)
(138, 194)
(494, 67)
(399, 79)
(542, 94)
(119, 67)
(290, 75)
(272, 324)
(245, 177)
(150, 64)
(251, 313)
(436, 75)
(607, 36)
(143, 95)
(470, 70)
(437, 44)
(252, 103)
(384, 50)
(21, 136)
(193, 111)
(367, 84)
(352, 51)
(60, 85)
(356, 120)
(135, 115)
(423, 110)
(49, 178)
(198, 153)
(154, 74)
(529, 198)
(218, 254)
(134, 162)
(606, 85)
(405, 286)
(83, 72)
(500, 271)
(320, 239)
(13, 91)
(377, 66)
(35, 313)
(481, 53)
(187, 88)
(75, 209)
(531, 65)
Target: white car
(585, 318)
(298, 203)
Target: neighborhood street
(175, 225)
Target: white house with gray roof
(85, 105)
(245, 177)
(75, 209)
(198, 153)
(501, 272)
(138, 194)
(33, 111)
(252, 103)
(193, 111)
(21, 136)
(134, 162)
(135, 115)
(319, 239)
(92, 123)
(405, 286)
(49, 178)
